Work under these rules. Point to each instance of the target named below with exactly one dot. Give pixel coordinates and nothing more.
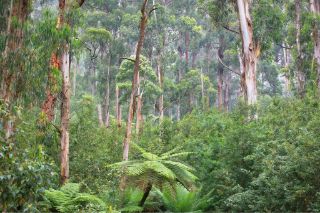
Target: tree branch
(231, 30)
(221, 62)
(129, 59)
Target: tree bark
(118, 107)
(14, 42)
(143, 24)
(300, 73)
(65, 113)
(248, 54)
(315, 9)
(286, 56)
(145, 194)
(127, 138)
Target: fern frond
(178, 164)
(160, 169)
(175, 155)
(71, 189)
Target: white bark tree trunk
(315, 9)
(248, 54)
(65, 115)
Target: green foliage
(157, 170)
(148, 79)
(182, 200)
(24, 177)
(69, 199)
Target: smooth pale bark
(315, 9)
(118, 107)
(248, 53)
(100, 117)
(160, 79)
(65, 101)
(300, 73)
(143, 25)
(139, 107)
(107, 97)
(286, 62)
(65, 116)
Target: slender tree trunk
(220, 73)
(286, 55)
(143, 24)
(248, 54)
(145, 194)
(139, 123)
(100, 117)
(65, 114)
(107, 97)
(127, 138)
(315, 9)
(118, 107)
(300, 73)
(139, 106)
(160, 79)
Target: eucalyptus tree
(148, 89)
(11, 59)
(315, 10)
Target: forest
(159, 106)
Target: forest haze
(159, 106)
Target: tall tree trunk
(286, 56)
(220, 72)
(18, 12)
(160, 79)
(315, 9)
(139, 106)
(127, 138)
(300, 73)
(118, 107)
(49, 103)
(143, 24)
(107, 97)
(248, 54)
(65, 114)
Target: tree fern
(69, 199)
(154, 170)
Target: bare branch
(221, 62)
(231, 30)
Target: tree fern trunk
(146, 194)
